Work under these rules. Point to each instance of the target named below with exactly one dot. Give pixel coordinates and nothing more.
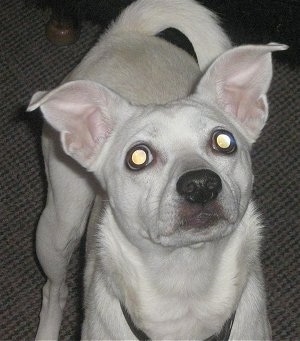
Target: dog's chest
(186, 294)
(170, 317)
(179, 302)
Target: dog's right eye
(223, 141)
(139, 157)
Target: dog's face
(177, 174)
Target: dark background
(28, 62)
(251, 21)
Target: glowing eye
(139, 157)
(223, 141)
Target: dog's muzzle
(199, 186)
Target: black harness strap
(225, 332)
(140, 335)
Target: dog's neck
(203, 283)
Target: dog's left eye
(139, 157)
(223, 141)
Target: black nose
(199, 186)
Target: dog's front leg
(60, 228)
(251, 321)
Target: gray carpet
(30, 63)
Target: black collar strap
(140, 335)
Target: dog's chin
(195, 231)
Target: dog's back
(130, 60)
(195, 21)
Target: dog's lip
(199, 217)
(198, 221)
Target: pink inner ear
(229, 99)
(84, 134)
(250, 110)
(240, 103)
(241, 73)
(238, 81)
(98, 126)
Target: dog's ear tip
(278, 46)
(31, 107)
(36, 101)
(261, 49)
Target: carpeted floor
(29, 63)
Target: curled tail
(195, 21)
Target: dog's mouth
(186, 224)
(195, 217)
(200, 221)
(192, 230)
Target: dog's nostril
(189, 187)
(212, 184)
(199, 186)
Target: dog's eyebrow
(149, 129)
(152, 130)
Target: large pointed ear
(85, 113)
(237, 82)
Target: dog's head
(177, 174)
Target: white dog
(173, 250)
